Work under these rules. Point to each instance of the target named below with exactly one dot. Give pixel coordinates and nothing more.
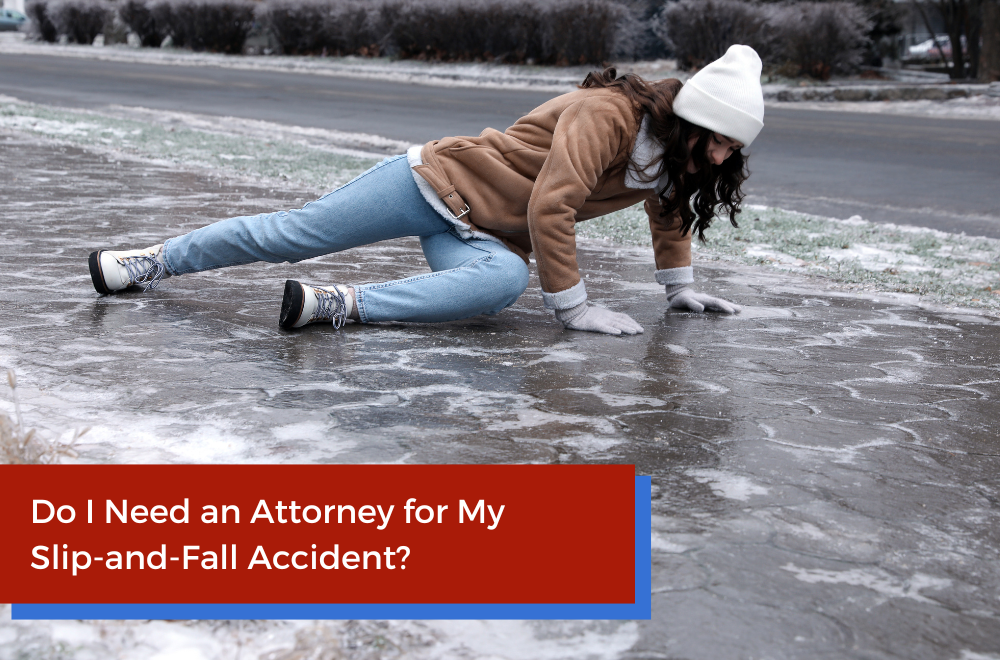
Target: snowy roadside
(312, 158)
(976, 107)
(924, 264)
(493, 76)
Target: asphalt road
(932, 172)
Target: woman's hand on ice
(681, 296)
(598, 319)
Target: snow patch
(877, 258)
(972, 655)
(660, 544)
(873, 579)
(728, 485)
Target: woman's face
(718, 149)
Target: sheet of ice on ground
(851, 435)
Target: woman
(481, 205)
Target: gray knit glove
(681, 296)
(598, 319)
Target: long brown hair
(695, 197)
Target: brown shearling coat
(532, 183)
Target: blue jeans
(469, 277)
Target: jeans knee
(519, 278)
(507, 277)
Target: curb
(925, 92)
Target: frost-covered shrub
(80, 20)
(559, 32)
(215, 25)
(337, 27)
(137, 16)
(542, 31)
(582, 32)
(552, 31)
(886, 17)
(41, 28)
(456, 30)
(823, 37)
(814, 38)
(637, 39)
(700, 31)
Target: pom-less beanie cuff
(706, 111)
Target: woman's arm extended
(672, 251)
(586, 141)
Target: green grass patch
(949, 268)
(312, 167)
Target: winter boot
(118, 270)
(307, 303)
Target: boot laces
(332, 305)
(143, 270)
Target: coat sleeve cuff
(682, 275)
(567, 298)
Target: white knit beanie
(725, 96)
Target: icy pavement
(824, 465)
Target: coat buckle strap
(456, 205)
(465, 211)
(446, 192)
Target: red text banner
(317, 534)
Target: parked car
(11, 20)
(926, 50)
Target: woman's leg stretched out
(471, 276)
(380, 204)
